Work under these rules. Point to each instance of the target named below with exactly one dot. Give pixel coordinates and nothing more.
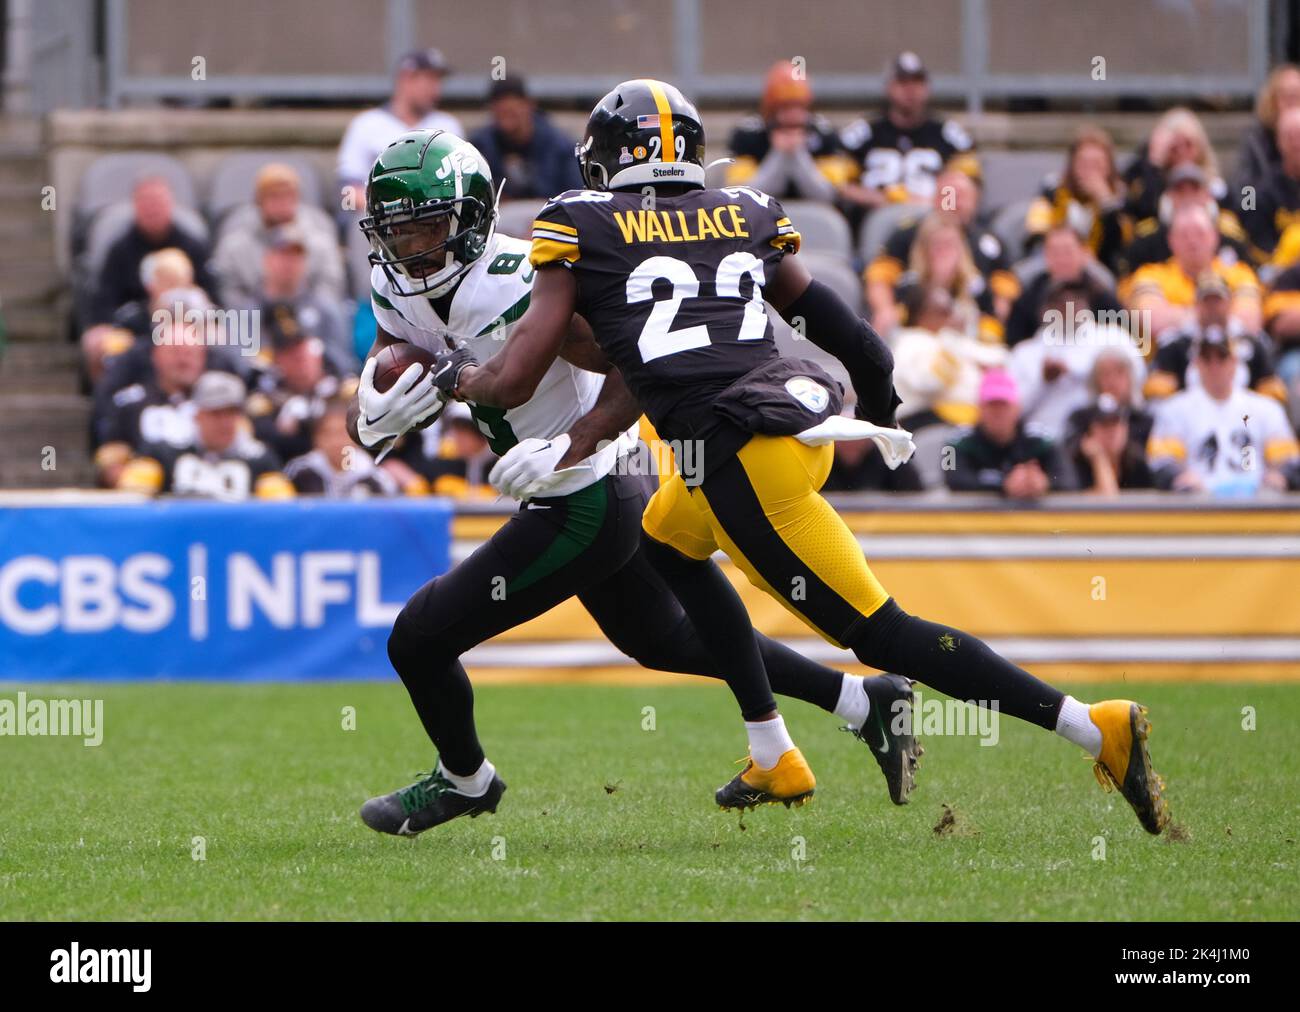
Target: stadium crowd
(1134, 324)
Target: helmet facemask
(594, 175)
(431, 245)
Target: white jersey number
(657, 336)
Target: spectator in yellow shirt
(1168, 290)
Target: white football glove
(525, 462)
(407, 402)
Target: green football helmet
(431, 211)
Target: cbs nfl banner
(268, 590)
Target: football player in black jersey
(673, 282)
(900, 153)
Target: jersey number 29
(657, 336)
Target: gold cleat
(790, 782)
(1124, 762)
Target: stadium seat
(1013, 175)
(235, 177)
(517, 217)
(822, 227)
(110, 179)
(881, 223)
(836, 273)
(1009, 226)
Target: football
(394, 360)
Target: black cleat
(888, 733)
(428, 802)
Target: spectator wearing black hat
(1219, 437)
(523, 147)
(413, 105)
(293, 392)
(1114, 374)
(1178, 138)
(1107, 453)
(221, 461)
(1173, 369)
(898, 155)
(1185, 186)
(284, 280)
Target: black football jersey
(231, 474)
(903, 163)
(672, 288)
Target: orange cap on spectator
(786, 84)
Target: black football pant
(587, 544)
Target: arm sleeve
(831, 325)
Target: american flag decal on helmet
(645, 122)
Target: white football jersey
(489, 300)
(1229, 443)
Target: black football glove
(879, 414)
(448, 366)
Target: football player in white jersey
(444, 279)
(1218, 436)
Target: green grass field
(604, 820)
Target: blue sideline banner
(267, 590)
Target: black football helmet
(644, 132)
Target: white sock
(472, 786)
(1075, 724)
(854, 703)
(768, 741)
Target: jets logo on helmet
(644, 132)
(431, 211)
